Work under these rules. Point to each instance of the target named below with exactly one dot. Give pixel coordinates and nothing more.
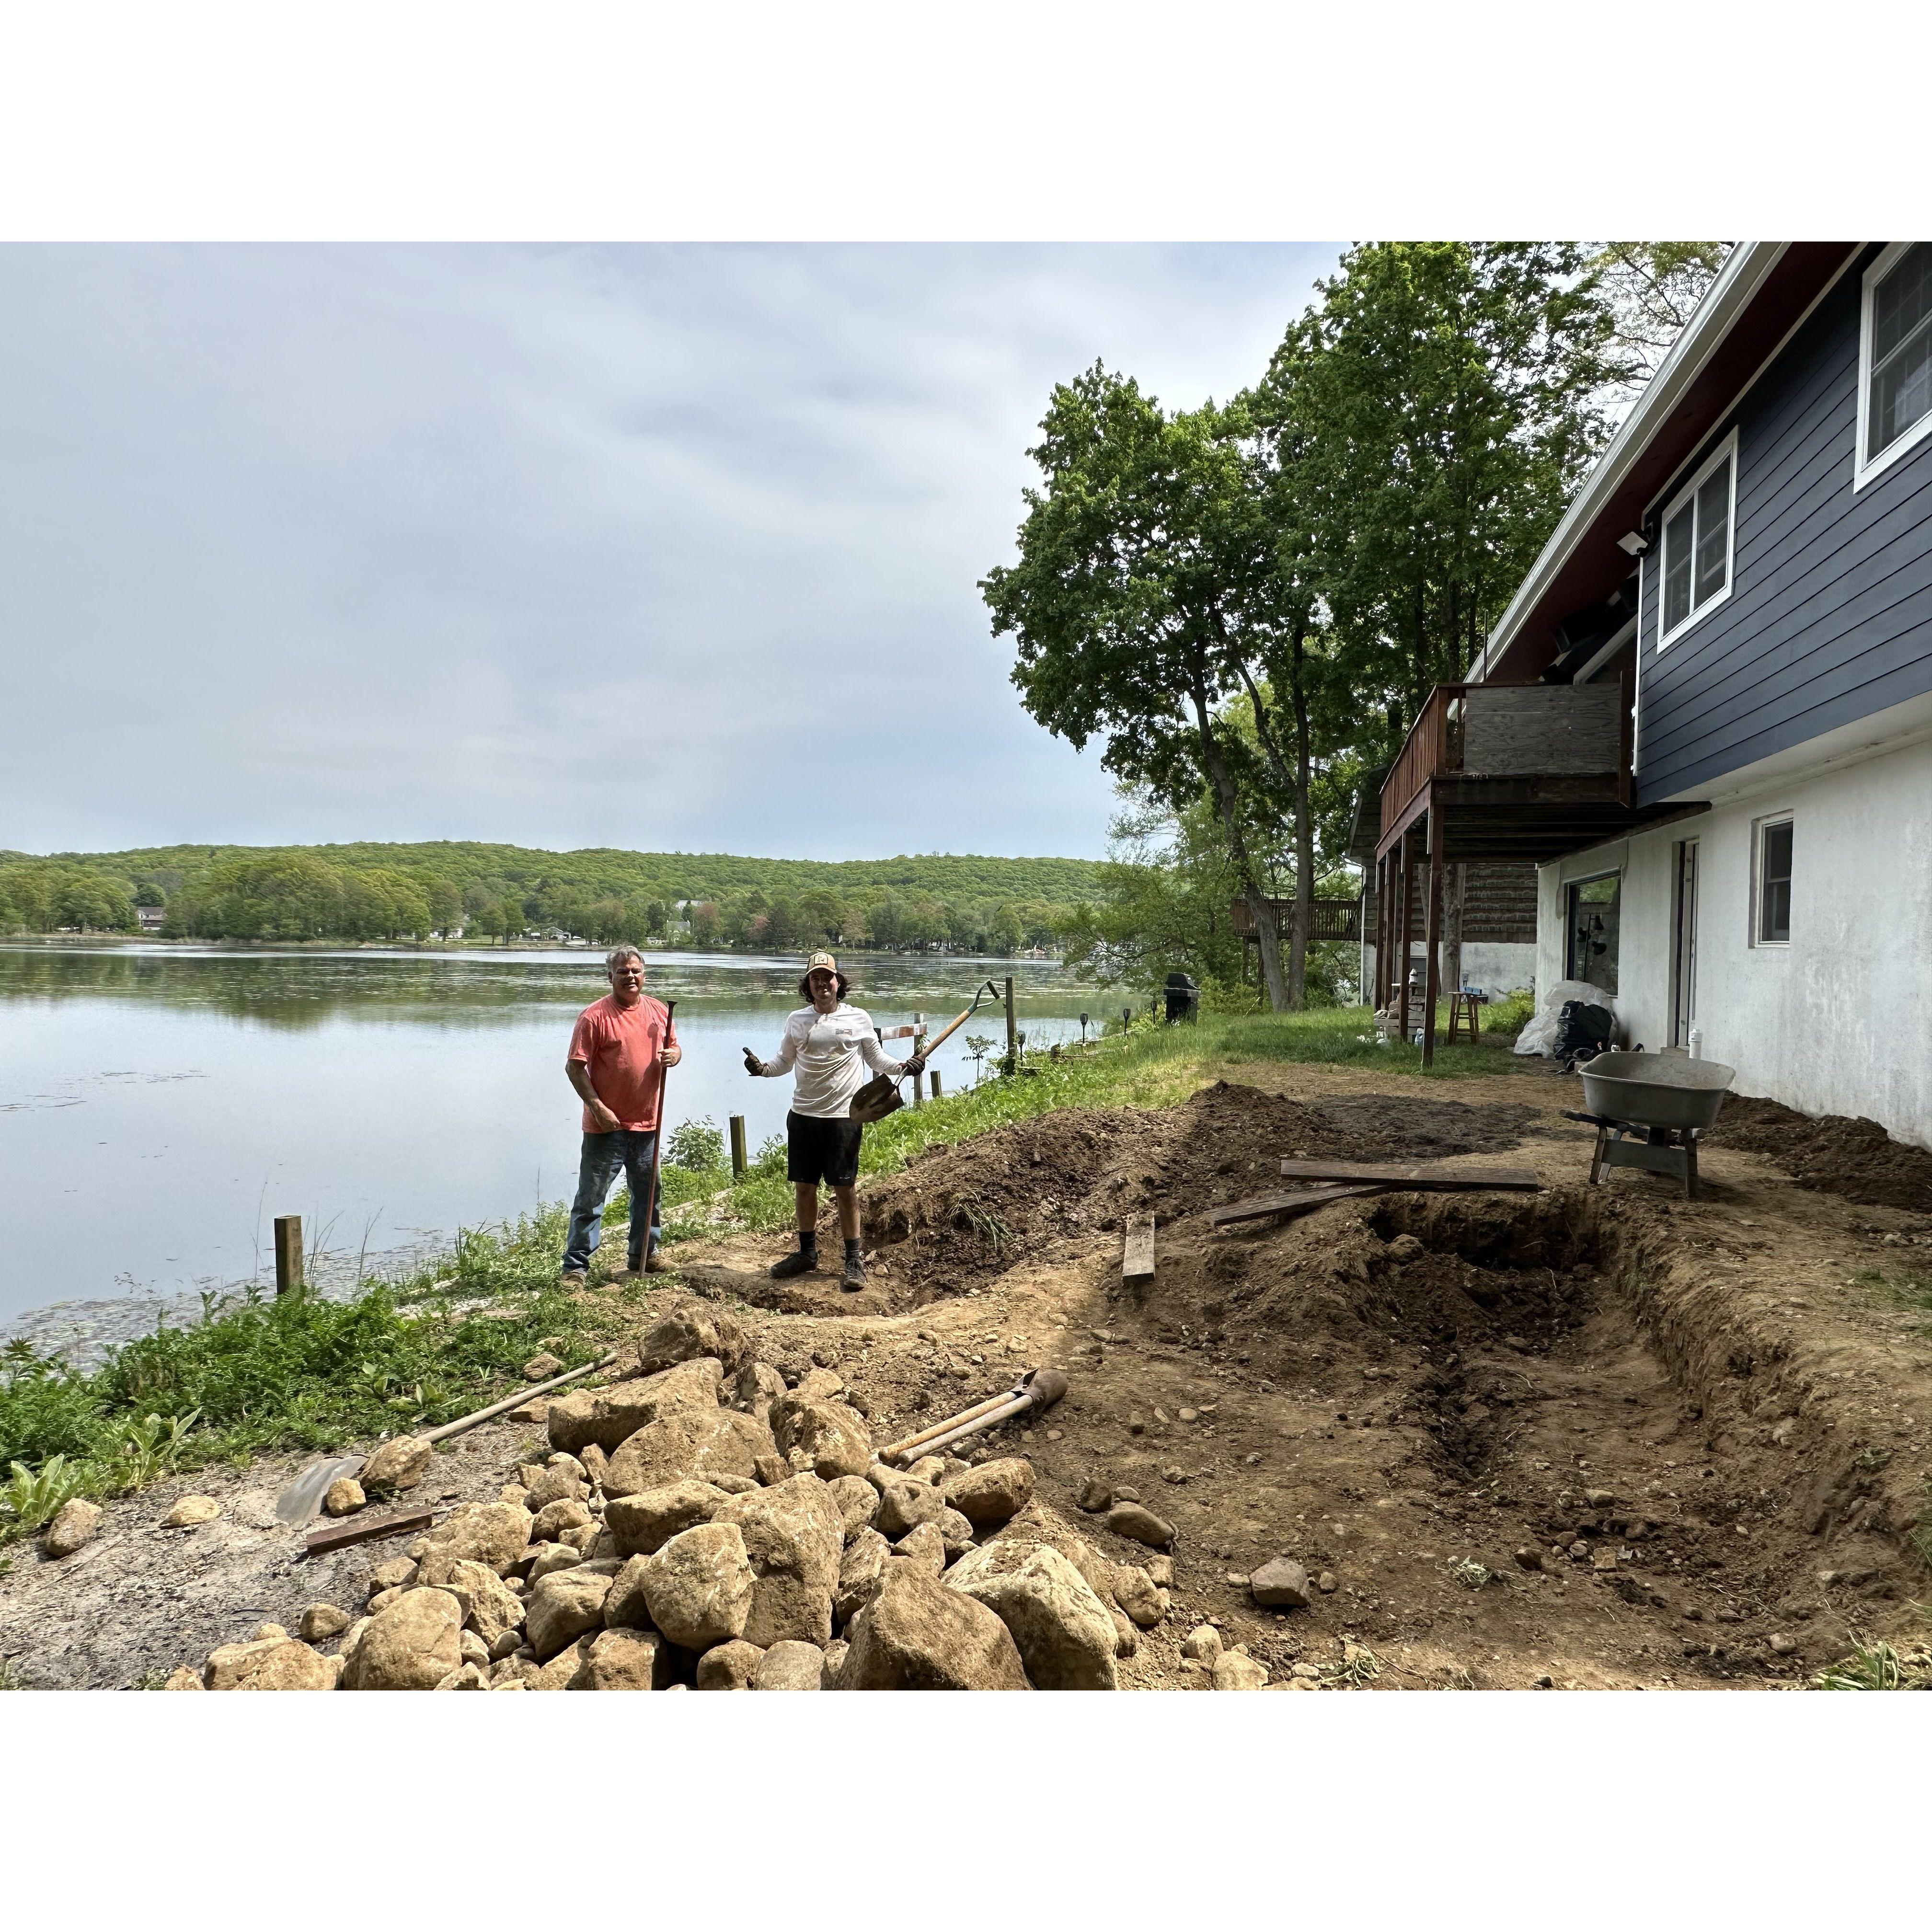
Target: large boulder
(859, 1570)
(490, 1607)
(496, 1534)
(565, 1604)
(270, 1663)
(835, 1437)
(645, 1521)
(699, 1587)
(75, 1523)
(412, 1644)
(1136, 1593)
(620, 1660)
(1064, 1633)
(688, 1330)
(397, 1464)
(794, 1537)
(905, 1505)
(917, 1635)
(790, 1666)
(858, 1503)
(991, 1492)
(731, 1666)
(608, 1416)
(689, 1443)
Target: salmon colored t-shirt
(620, 1046)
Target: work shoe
(801, 1260)
(655, 1263)
(854, 1278)
(570, 1278)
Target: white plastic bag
(1539, 1034)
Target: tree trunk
(1304, 846)
(1266, 926)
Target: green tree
(1653, 289)
(1140, 604)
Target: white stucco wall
(1839, 1020)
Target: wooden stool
(1462, 1006)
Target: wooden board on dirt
(365, 1529)
(1303, 1201)
(1137, 1251)
(1431, 1176)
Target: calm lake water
(159, 1106)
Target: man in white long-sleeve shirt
(831, 1045)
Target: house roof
(1760, 295)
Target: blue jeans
(604, 1154)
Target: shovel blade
(878, 1097)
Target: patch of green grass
(263, 1373)
(1910, 1288)
(1875, 1665)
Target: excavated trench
(1521, 1383)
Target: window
(1895, 356)
(1592, 948)
(1773, 890)
(1696, 570)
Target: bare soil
(1596, 1437)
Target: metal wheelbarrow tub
(1656, 1090)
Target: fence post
(936, 1094)
(288, 1254)
(739, 1163)
(1012, 1031)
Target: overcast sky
(657, 547)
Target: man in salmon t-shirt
(618, 1054)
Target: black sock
(808, 1240)
(854, 1251)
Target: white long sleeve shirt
(831, 1051)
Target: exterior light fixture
(1633, 543)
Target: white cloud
(654, 546)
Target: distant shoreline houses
(1705, 718)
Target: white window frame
(1759, 827)
(1726, 452)
(1869, 466)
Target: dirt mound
(1856, 1159)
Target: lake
(159, 1105)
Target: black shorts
(823, 1150)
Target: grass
(1875, 1665)
(259, 1374)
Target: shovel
(880, 1095)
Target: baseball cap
(821, 960)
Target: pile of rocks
(703, 1525)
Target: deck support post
(1432, 939)
(1405, 892)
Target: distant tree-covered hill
(368, 891)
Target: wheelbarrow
(1666, 1099)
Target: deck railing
(1330, 919)
(1434, 744)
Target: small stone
(190, 1510)
(398, 1573)
(552, 1557)
(1127, 1639)
(1123, 1494)
(398, 1464)
(75, 1524)
(344, 1497)
(321, 1621)
(1095, 1496)
(267, 1634)
(1327, 1582)
(1160, 1570)
(1527, 1559)
(1599, 1499)
(1783, 1645)
(1236, 1670)
(992, 1491)
(1203, 1642)
(1281, 1584)
(1542, 1680)
(905, 1505)
(1135, 1592)
(1579, 1550)
(555, 1521)
(1139, 1525)
(1189, 1415)
(790, 1665)
(184, 1678)
(541, 1368)
(1310, 1673)
(618, 1659)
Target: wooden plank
(1431, 1176)
(1137, 1251)
(1303, 1201)
(365, 1529)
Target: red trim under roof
(1595, 566)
